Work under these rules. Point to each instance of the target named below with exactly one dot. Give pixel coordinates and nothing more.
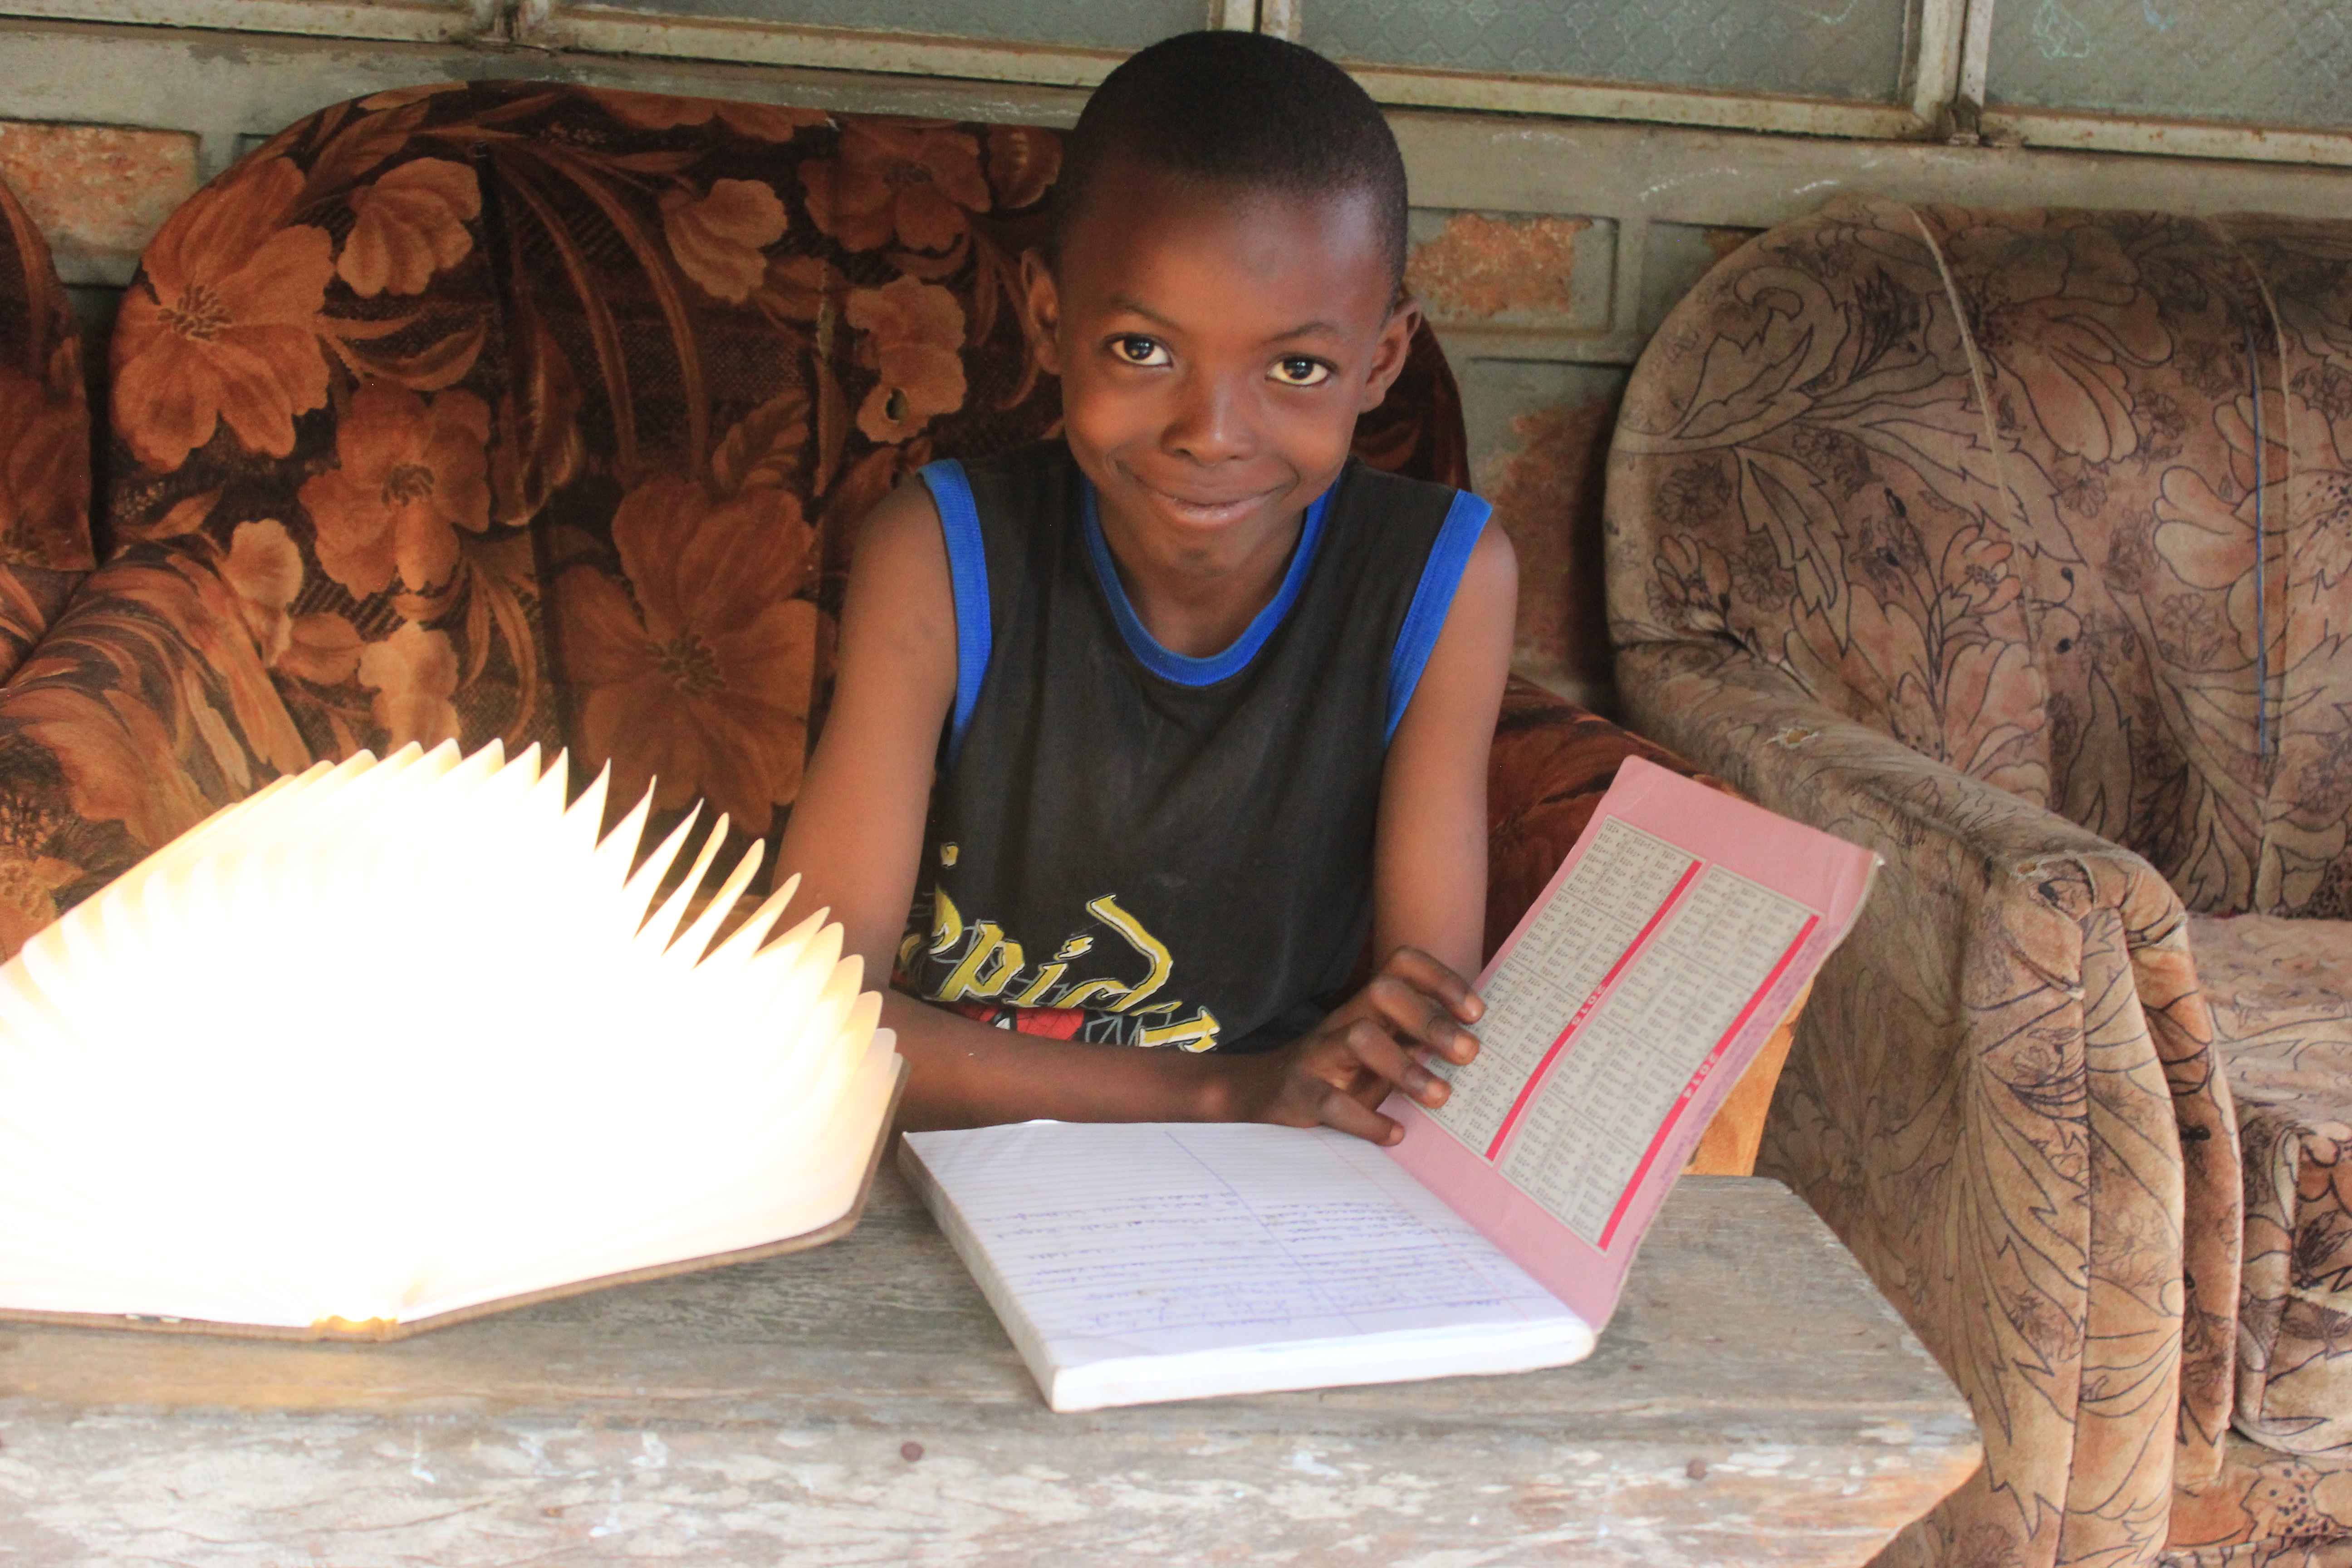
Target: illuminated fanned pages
(392, 1040)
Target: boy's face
(1215, 345)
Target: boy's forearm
(963, 1074)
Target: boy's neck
(1197, 601)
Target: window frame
(1941, 96)
(407, 21)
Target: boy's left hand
(1338, 1075)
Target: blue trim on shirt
(1183, 668)
(1441, 575)
(968, 571)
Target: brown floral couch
(544, 414)
(2019, 546)
(45, 470)
(44, 511)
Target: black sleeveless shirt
(1131, 846)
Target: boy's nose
(1210, 422)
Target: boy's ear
(1042, 311)
(1390, 352)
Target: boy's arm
(1429, 884)
(855, 833)
(1429, 857)
(856, 839)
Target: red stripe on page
(1534, 1079)
(1649, 1156)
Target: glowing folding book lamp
(398, 1042)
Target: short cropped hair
(1243, 109)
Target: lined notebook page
(1101, 1243)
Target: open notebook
(1139, 1263)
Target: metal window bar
(1942, 94)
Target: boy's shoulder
(1019, 486)
(1030, 462)
(1361, 484)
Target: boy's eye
(1298, 370)
(1142, 350)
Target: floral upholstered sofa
(2019, 546)
(44, 469)
(545, 414)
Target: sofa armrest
(145, 708)
(2003, 1097)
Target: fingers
(1377, 1048)
(1425, 974)
(1341, 1111)
(1418, 1016)
(1338, 1075)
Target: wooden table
(1754, 1402)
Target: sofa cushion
(2305, 511)
(1994, 483)
(2264, 1509)
(2281, 995)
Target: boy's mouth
(1205, 511)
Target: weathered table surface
(1755, 1402)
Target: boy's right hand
(1337, 1074)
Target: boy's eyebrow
(1128, 303)
(1135, 307)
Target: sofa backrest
(45, 444)
(546, 413)
(1993, 483)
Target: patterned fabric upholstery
(2282, 1021)
(45, 539)
(545, 414)
(2016, 546)
(44, 535)
(2263, 1509)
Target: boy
(1206, 700)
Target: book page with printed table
(1620, 1012)
(1148, 1262)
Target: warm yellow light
(393, 1039)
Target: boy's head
(1245, 111)
(1222, 294)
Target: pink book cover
(1620, 1012)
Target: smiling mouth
(1206, 508)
